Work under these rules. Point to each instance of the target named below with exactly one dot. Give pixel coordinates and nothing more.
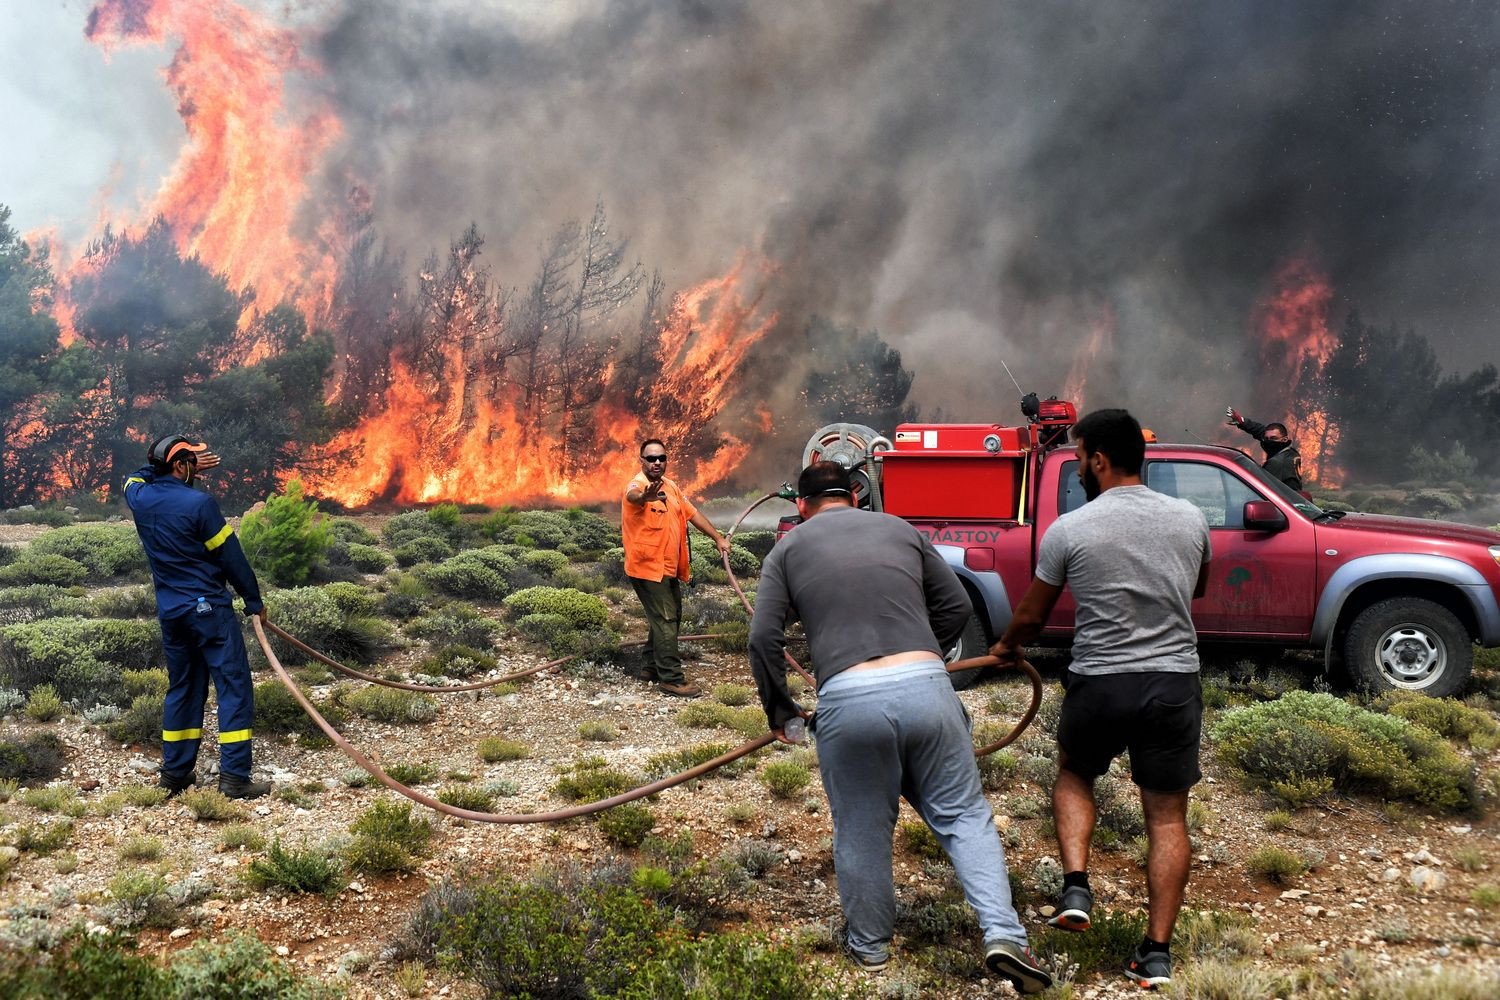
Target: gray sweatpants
(902, 732)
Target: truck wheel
(971, 643)
(1410, 644)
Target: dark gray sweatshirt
(863, 585)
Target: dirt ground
(1359, 900)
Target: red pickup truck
(1398, 602)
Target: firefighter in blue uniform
(193, 554)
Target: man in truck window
(1134, 560)
(1282, 458)
(879, 606)
(654, 516)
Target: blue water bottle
(204, 608)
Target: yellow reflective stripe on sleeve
(234, 736)
(134, 479)
(219, 539)
(177, 735)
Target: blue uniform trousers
(199, 647)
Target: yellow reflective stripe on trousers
(219, 539)
(234, 736)
(178, 735)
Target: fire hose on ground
(585, 809)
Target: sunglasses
(654, 458)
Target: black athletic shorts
(1157, 716)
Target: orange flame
(1101, 334)
(702, 344)
(1296, 342)
(236, 191)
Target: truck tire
(970, 644)
(1409, 644)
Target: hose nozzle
(787, 492)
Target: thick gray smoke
(976, 179)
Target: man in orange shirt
(654, 516)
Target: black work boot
(242, 788)
(176, 784)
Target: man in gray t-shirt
(1134, 560)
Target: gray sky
(977, 179)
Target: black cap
(824, 479)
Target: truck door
(1260, 583)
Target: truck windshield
(1276, 486)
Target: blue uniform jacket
(192, 551)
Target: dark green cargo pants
(662, 600)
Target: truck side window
(1069, 490)
(1218, 494)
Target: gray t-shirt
(1131, 557)
(864, 584)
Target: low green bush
(43, 600)
(43, 704)
(475, 798)
(31, 760)
(367, 558)
(50, 569)
(208, 805)
(123, 602)
(298, 870)
(1306, 737)
(353, 600)
(104, 550)
(494, 749)
(749, 721)
(421, 549)
(287, 539)
(52, 516)
(315, 616)
(389, 704)
(582, 611)
(626, 825)
(458, 623)
(240, 835)
(563, 638)
(419, 773)
(544, 562)
(141, 899)
(140, 723)
(591, 779)
(85, 965)
(757, 543)
(81, 657)
(784, 778)
(733, 965)
(352, 532)
(543, 939)
(405, 596)
(43, 839)
(467, 577)
(1445, 716)
(672, 762)
(387, 838)
(238, 966)
(1275, 864)
(139, 682)
(457, 661)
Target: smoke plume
(976, 180)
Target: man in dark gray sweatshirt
(879, 606)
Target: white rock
(179, 932)
(1425, 879)
(1314, 910)
(1295, 894)
(283, 950)
(142, 766)
(1391, 875)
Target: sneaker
(176, 786)
(1073, 909)
(683, 690)
(1148, 970)
(1013, 962)
(242, 788)
(866, 964)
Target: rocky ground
(1391, 887)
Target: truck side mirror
(1263, 515)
